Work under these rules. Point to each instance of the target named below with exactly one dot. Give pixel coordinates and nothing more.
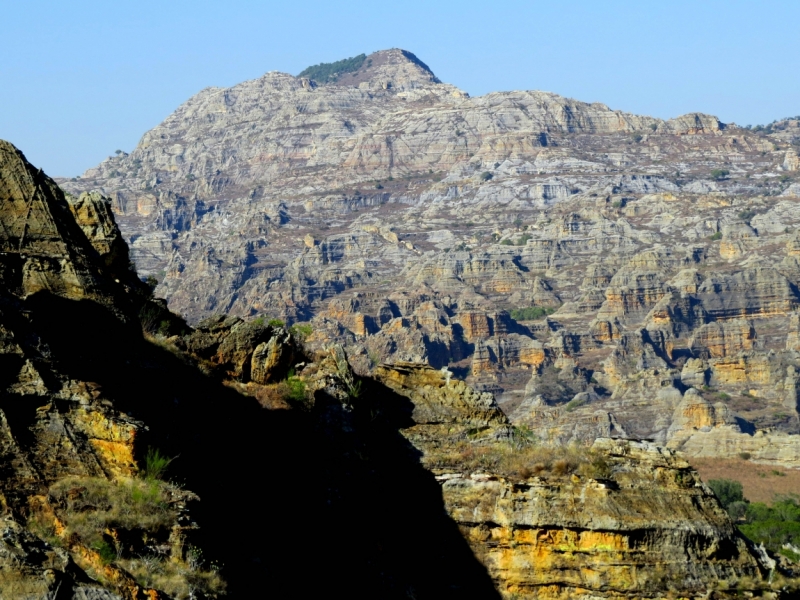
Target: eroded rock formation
(408, 221)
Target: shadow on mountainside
(295, 504)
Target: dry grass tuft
(128, 523)
(519, 462)
(283, 395)
(273, 396)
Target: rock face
(412, 483)
(557, 525)
(70, 457)
(51, 242)
(408, 221)
(546, 539)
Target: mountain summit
(389, 69)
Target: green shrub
(155, 464)
(301, 330)
(774, 525)
(329, 72)
(106, 551)
(523, 239)
(151, 282)
(354, 389)
(716, 236)
(746, 215)
(295, 388)
(720, 174)
(276, 323)
(727, 491)
(486, 176)
(522, 436)
(532, 313)
(637, 137)
(574, 403)
(506, 242)
(737, 510)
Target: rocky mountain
(408, 483)
(586, 265)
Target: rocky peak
(56, 243)
(393, 69)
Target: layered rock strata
(412, 483)
(618, 519)
(409, 221)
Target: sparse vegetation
(374, 358)
(532, 313)
(155, 464)
(295, 388)
(521, 458)
(301, 330)
(715, 237)
(99, 514)
(330, 72)
(523, 239)
(720, 174)
(151, 282)
(486, 176)
(574, 403)
(746, 215)
(276, 323)
(351, 384)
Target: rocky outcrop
(553, 523)
(440, 399)
(66, 293)
(243, 351)
(553, 537)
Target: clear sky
(83, 78)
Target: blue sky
(80, 79)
